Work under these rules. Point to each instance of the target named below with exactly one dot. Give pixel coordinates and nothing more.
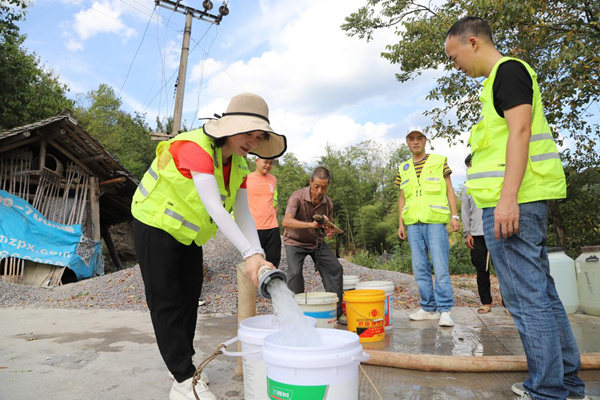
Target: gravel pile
(124, 289)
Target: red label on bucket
(370, 332)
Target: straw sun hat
(245, 113)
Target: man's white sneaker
(423, 315)
(184, 391)
(519, 389)
(446, 319)
(343, 319)
(203, 377)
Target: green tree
(389, 191)
(364, 194)
(291, 175)
(11, 11)
(28, 91)
(561, 40)
(126, 137)
(575, 221)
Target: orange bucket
(366, 314)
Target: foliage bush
(399, 259)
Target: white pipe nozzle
(266, 275)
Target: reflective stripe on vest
(488, 174)
(151, 173)
(169, 201)
(542, 157)
(181, 219)
(426, 196)
(143, 190)
(543, 178)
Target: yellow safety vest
(169, 201)
(544, 177)
(426, 197)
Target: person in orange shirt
(262, 200)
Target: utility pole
(185, 49)
(190, 13)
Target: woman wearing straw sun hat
(195, 181)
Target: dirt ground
(465, 286)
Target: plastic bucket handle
(363, 316)
(364, 357)
(236, 353)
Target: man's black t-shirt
(512, 86)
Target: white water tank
(588, 279)
(562, 269)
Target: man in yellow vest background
(515, 169)
(427, 203)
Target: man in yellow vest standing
(515, 169)
(427, 203)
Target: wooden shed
(69, 178)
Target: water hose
(437, 363)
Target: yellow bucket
(365, 313)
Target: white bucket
(327, 372)
(388, 307)
(588, 279)
(322, 306)
(251, 334)
(562, 270)
(349, 283)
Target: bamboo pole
(437, 363)
(86, 188)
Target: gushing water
(294, 328)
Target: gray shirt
(301, 207)
(472, 221)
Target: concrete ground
(98, 354)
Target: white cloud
(322, 86)
(170, 52)
(315, 78)
(74, 45)
(309, 64)
(204, 70)
(101, 17)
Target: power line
(204, 58)
(137, 51)
(144, 11)
(190, 14)
(165, 83)
(162, 59)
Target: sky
(322, 86)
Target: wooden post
(111, 247)
(246, 305)
(43, 146)
(95, 208)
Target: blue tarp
(26, 234)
